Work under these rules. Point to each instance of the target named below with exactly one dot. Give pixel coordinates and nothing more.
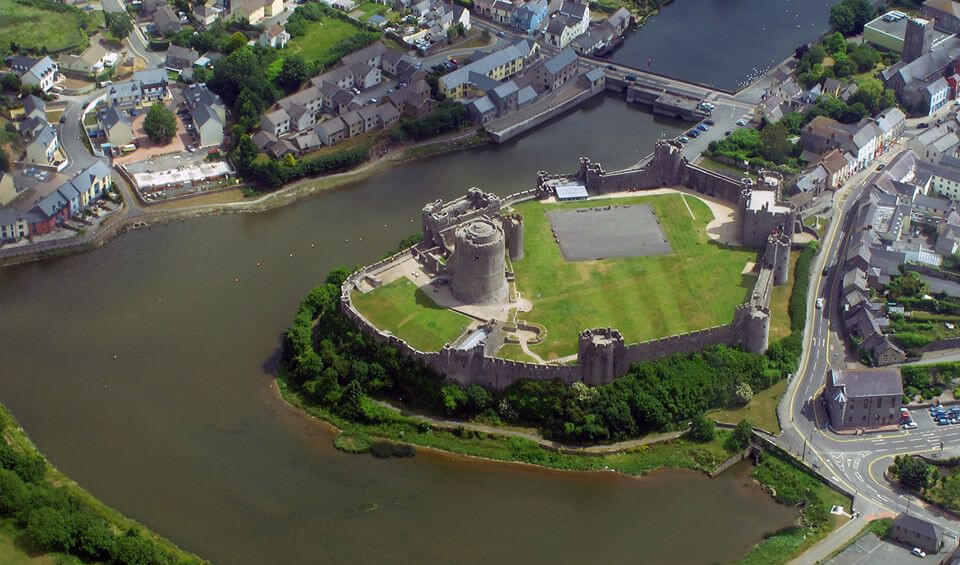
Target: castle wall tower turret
(513, 229)
(479, 270)
(600, 353)
(776, 256)
(758, 330)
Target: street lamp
(908, 502)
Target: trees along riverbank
(331, 365)
(43, 512)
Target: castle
(467, 241)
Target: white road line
(859, 476)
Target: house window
(879, 400)
(864, 418)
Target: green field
(780, 304)
(33, 26)
(410, 314)
(696, 286)
(761, 411)
(321, 36)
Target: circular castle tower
(479, 272)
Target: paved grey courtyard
(621, 231)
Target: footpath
(532, 435)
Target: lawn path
(684, 198)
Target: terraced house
(483, 74)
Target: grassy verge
(724, 168)
(53, 488)
(513, 352)
(411, 314)
(795, 486)
(441, 147)
(761, 411)
(679, 453)
(780, 304)
(38, 25)
(320, 38)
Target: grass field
(514, 352)
(320, 37)
(780, 304)
(33, 27)
(698, 285)
(761, 411)
(405, 310)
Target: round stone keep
(479, 272)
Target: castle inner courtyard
(608, 232)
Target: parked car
(612, 67)
(630, 78)
(703, 127)
(726, 133)
(918, 552)
(693, 133)
(922, 125)
(741, 122)
(710, 122)
(373, 100)
(881, 166)
(909, 425)
(500, 34)
(683, 139)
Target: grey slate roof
(31, 103)
(914, 524)
(869, 382)
(559, 61)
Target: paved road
(856, 463)
(136, 41)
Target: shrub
(702, 429)
(384, 449)
(740, 438)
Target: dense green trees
(913, 472)
(160, 124)
(119, 23)
(447, 117)
(849, 16)
(294, 72)
(54, 519)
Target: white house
(35, 72)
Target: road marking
(859, 476)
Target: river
(715, 41)
(142, 370)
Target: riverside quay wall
(602, 353)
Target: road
(855, 462)
(136, 40)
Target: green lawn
(780, 304)
(696, 286)
(320, 37)
(371, 8)
(513, 352)
(34, 27)
(761, 411)
(402, 308)
(725, 169)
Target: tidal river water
(143, 370)
(723, 42)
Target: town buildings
(569, 23)
(144, 88)
(863, 399)
(483, 73)
(39, 209)
(207, 114)
(926, 79)
(116, 125)
(889, 30)
(274, 36)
